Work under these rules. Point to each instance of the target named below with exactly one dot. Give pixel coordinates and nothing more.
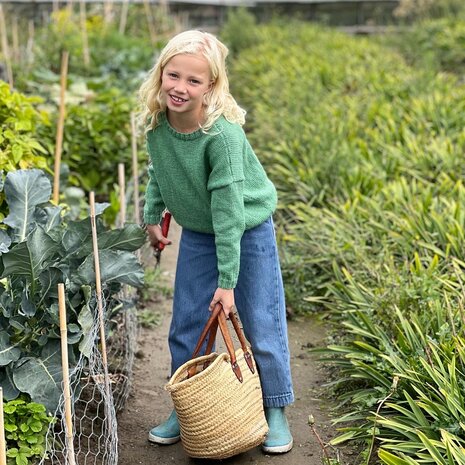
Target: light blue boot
(166, 433)
(279, 439)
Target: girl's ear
(212, 83)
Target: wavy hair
(217, 101)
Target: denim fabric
(259, 297)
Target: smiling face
(185, 80)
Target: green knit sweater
(211, 183)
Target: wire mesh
(94, 404)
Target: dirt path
(150, 404)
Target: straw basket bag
(218, 397)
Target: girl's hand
(226, 298)
(156, 236)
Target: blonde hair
(217, 101)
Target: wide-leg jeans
(259, 298)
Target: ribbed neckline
(180, 135)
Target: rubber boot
(279, 439)
(167, 432)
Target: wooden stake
(56, 6)
(2, 432)
(65, 369)
(107, 11)
(60, 128)
(148, 14)
(124, 17)
(135, 168)
(98, 289)
(122, 194)
(30, 42)
(5, 48)
(85, 38)
(15, 38)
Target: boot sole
(164, 441)
(278, 449)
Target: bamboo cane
(5, 48)
(30, 42)
(60, 127)
(15, 40)
(122, 194)
(2, 432)
(148, 14)
(135, 168)
(107, 11)
(56, 6)
(65, 368)
(124, 17)
(85, 38)
(98, 290)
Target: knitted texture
(211, 183)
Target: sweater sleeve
(229, 224)
(226, 186)
(154, 205)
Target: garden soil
(149, 403)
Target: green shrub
(366, 153)
(26, 425)
(41, 248)
(239, 31)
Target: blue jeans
(259, 298)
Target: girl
(204, 171)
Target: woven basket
(220, 409)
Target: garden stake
(5, 49)
(122, 195)
(148, 14)
(135, 169)
(98, 291)
(165, 227)
(85, 39)
(30, 43)
(107, 11)
(15, 39)
(2, 432)
(124, 17)
(60, 128)
(65, 368)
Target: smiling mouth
(178, 99)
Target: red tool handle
(165, 227)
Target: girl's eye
(172, 75)
(194, 81)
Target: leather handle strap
(229, 345)
(240, 335)
(218, 318)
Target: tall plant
(40, 248)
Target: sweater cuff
(153, 218)
(227, 282)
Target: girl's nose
(180, 87)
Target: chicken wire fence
(97, 392)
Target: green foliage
(112, 55)
(239, 31)
(420, 9)
(26, 425)
(40, 248)
(19, 145)
(438, 44)
(366, 153)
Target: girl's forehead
(189, 63)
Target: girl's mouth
(177, 99)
